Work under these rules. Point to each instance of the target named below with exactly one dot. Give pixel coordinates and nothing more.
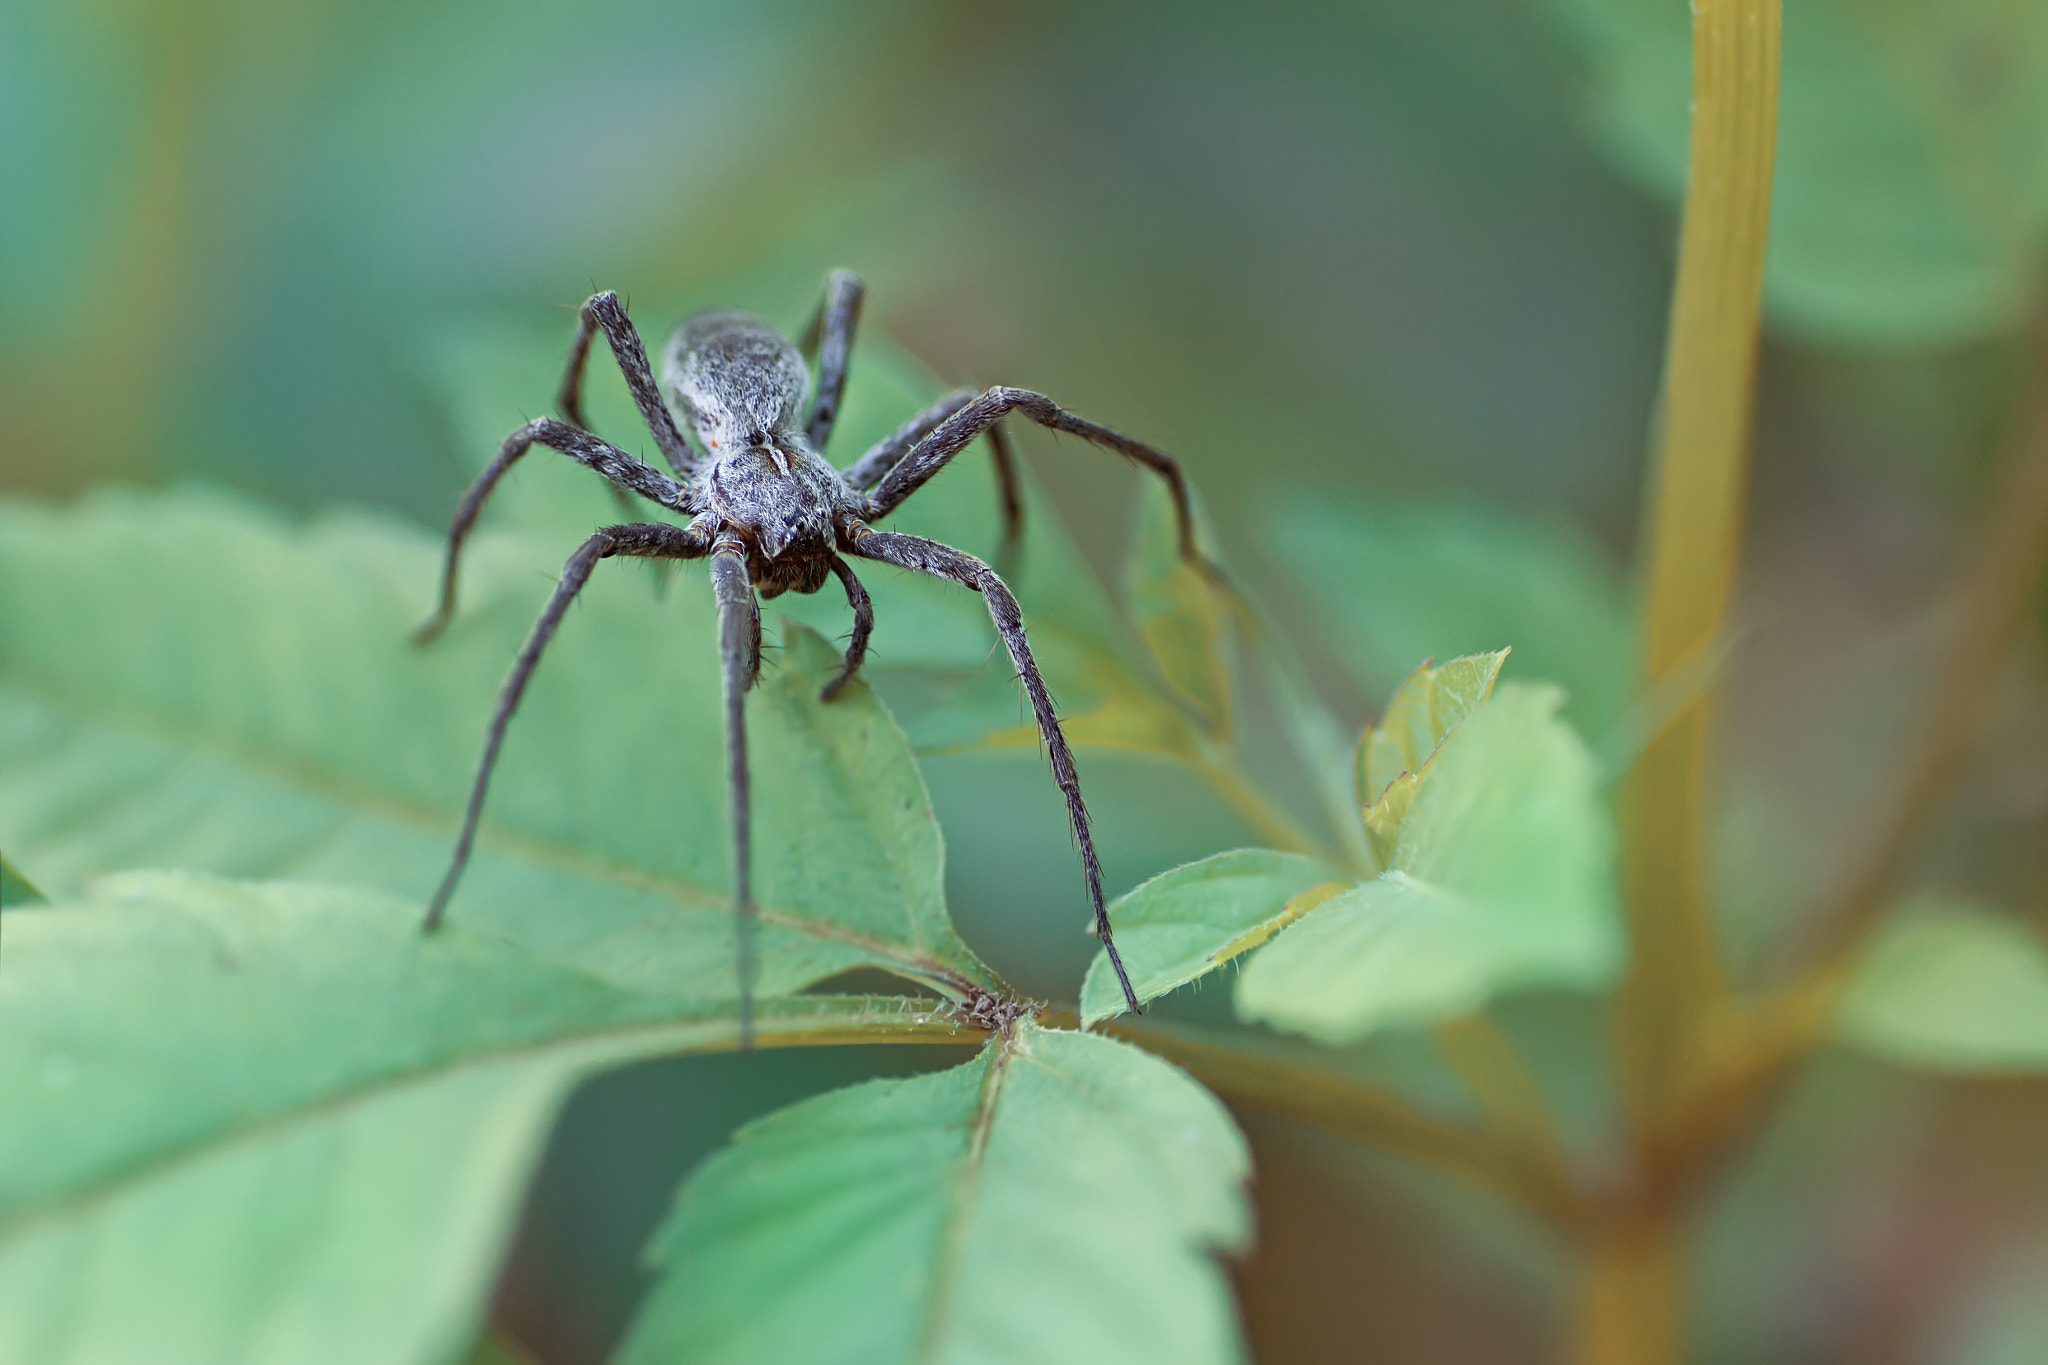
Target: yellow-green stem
(1694, 528)
(1632, 1305)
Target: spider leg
(863, 626)
(830, 336)
(622, 469)
(603, 310)
(943, 561)
(1011, 494)
(888, 452)
(652, 541)
(739, 653)
(951, 436)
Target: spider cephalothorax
(774, 516)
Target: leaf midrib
(966, 1182)
(769, 1032)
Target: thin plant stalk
(1632, 1306)
(1693, 533)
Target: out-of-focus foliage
(1952, 988)
(16, 889)
(1400, 583)
(1911, 203)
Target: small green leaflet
(1433, 701)
(1394, 754)
(1061, 1198)
(1501, 878)
(275, 1122)
(1952, 988)
(1186, 922)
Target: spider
(773, 516)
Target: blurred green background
(1360, 265)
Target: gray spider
(771, 514)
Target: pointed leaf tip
(1186, 922)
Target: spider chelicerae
(773, 516)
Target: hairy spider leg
(648, 540)
(739, 654)
(578, 445)
(604, 310)
(951, 436)
(830, 337)
(888, 452)
(957, 566)
(1011, 493)
(863, 626)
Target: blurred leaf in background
(1911, 202)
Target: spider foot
(993, 1013)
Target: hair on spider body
(773, 515)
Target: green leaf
(1501, 879)
(1912, 179)
(222, 688)
(1395, 753)
(16, 889)
(1062, 1197)
(1181, 616)
(1185, 923)
(1951, 988)
(1396, 585)
(243, 1122)
(1425, 709)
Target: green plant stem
(1675, 993)
(1993, 599)
(1694, 527)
